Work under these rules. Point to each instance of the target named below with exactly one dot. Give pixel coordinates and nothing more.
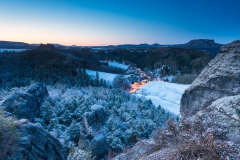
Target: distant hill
(21, 45)
(207, 45)
(14, 45)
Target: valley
(102, 103)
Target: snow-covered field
(104, 75)
(118, 65)
(11, 50)
(165, 94)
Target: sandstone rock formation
(224, 112)
(219, 79)
(26, 105)
(36, 143)
(210, 110)
(142, 148)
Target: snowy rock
(96, 107)
(97, 117)
(219, 79)
(23, 105)
(36, 143)
(26, 105)
(39, 91)
(141, 148)
(233, 47)
(225, 112)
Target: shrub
(195, 140)
(8, 136)
(184, 78)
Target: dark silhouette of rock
(220, 78)
(36, 143)
(26, 105)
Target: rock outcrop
(39, 91)
(219, 79)
(36, 143)
(226, 113)
(210, 110)
(141, 149)
(26, 105)
(233, 47)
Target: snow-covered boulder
(39, 91)
(26, 105)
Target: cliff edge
(220, 78)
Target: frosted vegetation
(129, 118)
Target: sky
(112, 22)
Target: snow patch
(96, 107)
(165, 94)
(118, 65)
(104, 75)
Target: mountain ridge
(208, 45)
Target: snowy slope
(165, 94)
(104, 75)
(118, 65)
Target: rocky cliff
(33, 141)
(36, 143)
(210, 110)
(219, 79)
(27, 104)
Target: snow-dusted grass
(104, 75)
(165, 94)
(118, 65)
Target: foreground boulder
(219, 79)
(36, 143)
(26, 105)
(224, 112)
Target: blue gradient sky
(104, 22)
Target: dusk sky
(105, 22)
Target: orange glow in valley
(136, 86)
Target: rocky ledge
(219, 79)
(36, 143)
